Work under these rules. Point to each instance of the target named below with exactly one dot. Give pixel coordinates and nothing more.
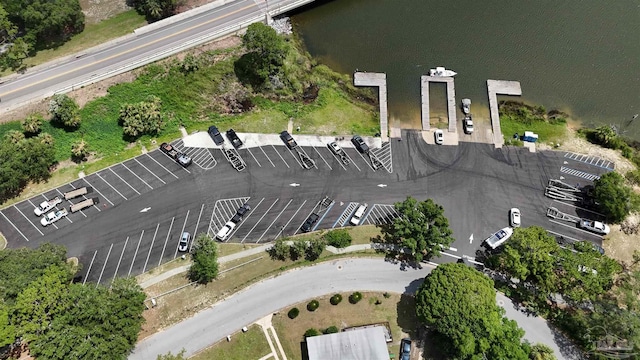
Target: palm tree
(32, 124)
(14, 136)
(79, 150)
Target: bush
(386, 295)
(338, 238)
(315, 249)
(279, 250)
(311, 332)
(64, 111)
(297, 249)
(141, 118)
(355, 297)
(293, 313)
(313, 305)
(633, 177)
(335, 299)
(331, 330)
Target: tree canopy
(205, 260)
(421, 228)
(64, 111)
(266, 52)
(141, 118)
(467, 317)
(612, 196)
(154, 9)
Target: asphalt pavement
(277, 293)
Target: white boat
(441, 71)
(499, 237)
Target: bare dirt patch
(98, 10)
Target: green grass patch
(249, 345)
(547, 132)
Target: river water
(578, 56)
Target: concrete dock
(502, 87)
(451, 100)
(379, 80)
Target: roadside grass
(225, 249)
(398, 310)
(547, 132)
(363, 234)
(243, 346)
(59, 177)
(170, 265)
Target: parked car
(359, 143)
(308, 224)
(467, 124)
(53, 216)
(357, 216)
(234, 139)
(439, 136)
(335, 148)
(514, 217)
(225, 231)
(183, 245)
(240, 213)
(215, 135)
(405, 349)
(288, 140)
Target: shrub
(335, 299)
(313, 305)
(311, 332)
(355, 297)
(315, 249)
(297, 249)
(386, 295)
(633, 177)
(141, 118)
(32, 124)
(331, 330)
(293, 313)
(64, 111)
(338, 238)
(279, 250)
(79, 150)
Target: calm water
(580, 56)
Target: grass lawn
(225, 249)
(547, 133)
(251, 345)
(363, 234)
(398, 310)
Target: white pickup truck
(53, 216)
(46, 206)
(594, 226)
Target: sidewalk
(242, 254)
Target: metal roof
(361, 344)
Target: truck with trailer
(594, 226)
(76, 192)
(47, 205)
(176, 155)
(53, 216)
(84, 204)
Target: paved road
(44, 81)
(298, 285)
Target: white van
(225, 231)
(357, 216)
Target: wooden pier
(503, 87)
(379, 80)
(451, 100)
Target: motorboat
(441, 71)
(466, 106)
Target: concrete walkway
(272, 336)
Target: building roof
(361, 344)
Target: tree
(420, 230)
(32, 123)
(315, 249)
(142, 118)
(541, 352)
(613, 196)
(467, 316)
(297, 249)
(170, 356)
(205, 260)
(265, 56)
(605, 135)
(338, 238)
(8, 333)
(79, 150)
(46, 139)
(14, 137)
(279, 250)
(64, 111)
(155, 9)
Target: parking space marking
(199, 156)
(162, 166)
(18, 230)
(352, 162)
(89, 269)
(254, 158)
(599, 162)
(166, 240)
(274, 220)
(281, 158)
(136, 175)
(295, 156)
(181, 231)
(305, 219)
(54, 225)
(576, 228)
(35, 227)
(382, 213)
(322, 157)
(384, 155)
(135, 254)
(581, 208)
(243, 220)
(323, 216)
(578, 173)
(104, 265)
(195, 229)
(98, 191)
(346, 214)
(115, 273)
(367, 162)
(267, 156)
(152, 173)
(337, 158)
(259, 220)
(132, 188)
(290, 219)
(150, 248)
(562, 235)
(114, 189)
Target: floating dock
(451, 100)
(379, 80)
(502, 87)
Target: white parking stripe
(18, 230)
(135, 254)
(156, 161)
(114, 189)
(267, 156)
(89, 269)
(115, 273)
(28, 220)
(180, 166)
(195, 229)
(104, 265)
(254, 158)
(249, 214)
(132, 188)
(353, 162)
(151, 172)
(325, 161)
(366, 161)
(295, 156)
(165, 241)
(562, 235)
(281, 158)
(32, 204)
(578, 207)
(150, 248)
(274, 220)
(136, 175)
(287, 224)
(305, 219)
(181, 231)
(339, 161)
(258, 222)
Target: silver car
(183, 245)
(514, 217)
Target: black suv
(288, 139)
(215, 135)
(233, 137)
(308, 224)
(240, 213)
(360, 144)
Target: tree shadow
(244, 68)
(304, 350)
